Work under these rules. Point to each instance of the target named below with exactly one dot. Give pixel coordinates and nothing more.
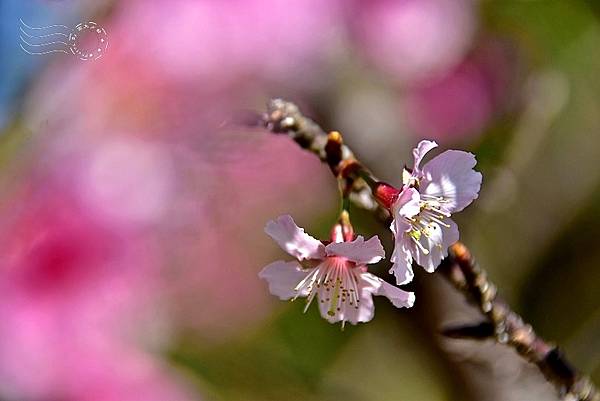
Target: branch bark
(501, 323)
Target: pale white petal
(407, 204)
(293, 239)
(346, 312)
(400, 225)
(283, 277)
(450, 175)
(420, 151)
(398, 297)
(402, 261)
(359, 251)
(328, 312)
(365, 311)
(437, 243)
(350, 299)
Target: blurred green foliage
(299, 356)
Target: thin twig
(507, 327)
(459, 268)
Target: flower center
(335, 281)
(429, 219)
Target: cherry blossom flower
(336, 273)
(422, 226)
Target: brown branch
(459, 268)
(507, 327)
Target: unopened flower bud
(386, 194)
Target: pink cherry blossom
(422, 225)
(336, 274)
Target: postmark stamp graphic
(86, 41)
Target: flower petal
(400, 225)
(407, 204)
(437, 244)
(402, 262)
(293, 239)
(283, 277)
(451, 176)
(346, 312)
(358, 251)
(398, 297)
(420, 151)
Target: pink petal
(293, 239)
(358, 251)
(283, 277)
(407, 204)
(398, 297)
(402, 262)
(451, 175)
(437, 244)
(420, 151)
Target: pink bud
(386, 195)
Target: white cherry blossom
(422, 226)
